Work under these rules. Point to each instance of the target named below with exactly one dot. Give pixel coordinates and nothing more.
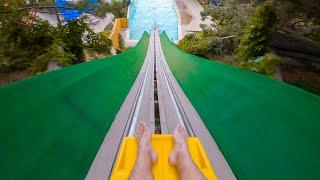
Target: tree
(25, 39)
(118, 9)
(257, 33)
(22, 42)
(71, 34)
(97, 42)
(230, 19)
(222, 37)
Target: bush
(118, 9)
(193, 44)
(32, 46)
(314, 35)
(256, 35)
(109, 27)
(29, 43)
(265, 65)
(228, 20)
(21, 43)
(98, 43)
(71, 35)
(225, 45)
(54, 53)
(222, 37)
(205, 44)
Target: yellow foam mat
(162, 170)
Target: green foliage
(224, 45)
(314, 35)
(27, 42)
(82, 4)
(308, 8)
(77, 36)
(118, 9)
(21, 43)
(256, 35)
(71, 34)
(109, 27)
(207, 42)
(121, 42)
(102, 9)
(228, 20)
(222, 37)
(107, 30)
(54, 53)
(194, 44)
(97, 42)
(265, 65)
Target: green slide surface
(52, 125)
(266, 129)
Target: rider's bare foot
(180, 156)
(146, 155)
(180, 150)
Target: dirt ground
(6, 78)
(186, 17)
(304, 77)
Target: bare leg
(180, 156)
(146, 155)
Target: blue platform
(74, 14)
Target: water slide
(62, 124)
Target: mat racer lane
(137, 106)
(155, 96)
(176, 108)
